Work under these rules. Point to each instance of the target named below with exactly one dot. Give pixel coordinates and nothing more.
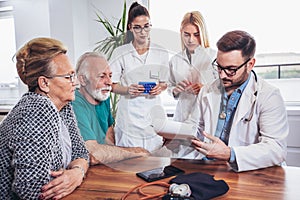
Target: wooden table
(114, 180)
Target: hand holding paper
(170, 129)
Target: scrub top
(93, 120)
(133, 122)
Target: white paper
(171, 129)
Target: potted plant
(109, 44)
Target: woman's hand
(194, 88)
(159, 88)
(135, 90)
(64, 182)
(180, 87)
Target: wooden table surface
(112, 181)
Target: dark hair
(237, 40)
(135, 10)
(34, 60)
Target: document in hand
(170, 129)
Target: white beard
(98, 95)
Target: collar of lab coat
(247, 99)
(198, 51)
(213, 98)
(135, 54)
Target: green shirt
(93, 120)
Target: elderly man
(242, 117)
(92, 110)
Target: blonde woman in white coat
(252, 133)
(190, 69)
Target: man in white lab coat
(243, 119)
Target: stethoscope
(222, 114)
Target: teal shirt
(93, 120)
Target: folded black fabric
(203, 186)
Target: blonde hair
(195, 18)
(34, 60)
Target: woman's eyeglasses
(229, 71)
(139, 29)
(70, 77)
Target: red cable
(147, 196)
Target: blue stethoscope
(222, 115)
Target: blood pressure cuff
(203, 186)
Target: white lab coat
(133, 122)
(260, 142)
(198, 71)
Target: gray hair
(81, 66)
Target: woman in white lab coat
(191, 68)
(138, 61)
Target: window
(270, 24)
(8, 75)
(8, 45)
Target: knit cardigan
(30, 147)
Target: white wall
(293, 141)
(31, 19)
(71, 21)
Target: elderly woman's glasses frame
(229, 71)
(70, 77)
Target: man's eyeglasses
(70, 77)
(139, 29)
(229, 71)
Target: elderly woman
(42, 153)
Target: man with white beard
(93, 113)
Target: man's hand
(110, 136)
(138, 151)
(104, 153)
(216, 148)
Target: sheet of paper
(171, 129)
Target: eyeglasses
(229, 71)
(139, 29)
(70, 77)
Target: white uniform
(259, 128)
(198, 71)
(133, 122)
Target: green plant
(109, 44)
(116, 33)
